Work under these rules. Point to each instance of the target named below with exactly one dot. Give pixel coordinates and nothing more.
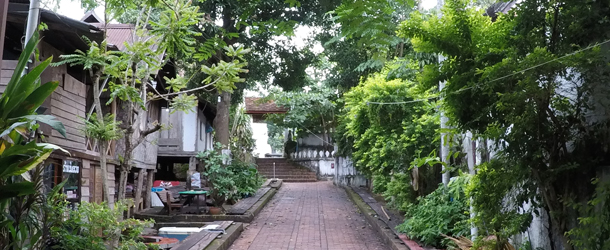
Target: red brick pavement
(309, 216)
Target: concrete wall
(324, 168)
(313, 140)
(346, 174)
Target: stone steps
(285, 170)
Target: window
(71, 174)
(57, 171)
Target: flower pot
(215, 210)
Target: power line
(499, 78)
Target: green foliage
(444, 211)
(175, 28)
(392, 141)
(275, 137)
(247, 180)
(530, 89)
(92, 226)
(19, 151)
(225, 74)
(183, 102)
(592, 230)
(500, 211)
(399, 192)
(220, 177)
(96, 56)
(309, 112)
(372, 24)
(241, 141)
(233, 181)
(106, 130)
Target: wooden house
(70, 101)
(189, 134)
(141, 177)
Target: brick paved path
(309, 216)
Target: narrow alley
(309, 216)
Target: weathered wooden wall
(145, 155)
(171, 139)
(189, 127)
(8, 66)
(67, 103)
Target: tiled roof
(254, 106)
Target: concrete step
(285, 169)
(292, 177)
(298, 180)
(289, 174)
(276, 165)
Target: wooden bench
(243, 205)
(169, 202)
(202, 239)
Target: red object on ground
(410, 243)
(158, 183)
(162, 242)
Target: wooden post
(139, 189)
(150, 174)
(191, 171)
(3, 15)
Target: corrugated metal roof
(118, 34)
(63, 32)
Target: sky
(72, 9)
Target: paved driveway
(309, 216)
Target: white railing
(312, 154)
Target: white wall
(189, 131)
(201, 134)
(346, 174)
(311, 140)
(260, 134)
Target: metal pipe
(274, 170)
(32, 24)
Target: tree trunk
(122, 183)
(138, 189)
(102, 144)
(221, 121)
(150, 174)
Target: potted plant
(220, 177)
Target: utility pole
(470, 147)
(32, 24)
(3, 14)
(444, 119)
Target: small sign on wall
(332, 166)
(71, 167)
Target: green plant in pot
(220, 177)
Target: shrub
(444, 211)
(399, 192)
(92, 226)
(246, 178)
(233, 181)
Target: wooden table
(194, 193)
